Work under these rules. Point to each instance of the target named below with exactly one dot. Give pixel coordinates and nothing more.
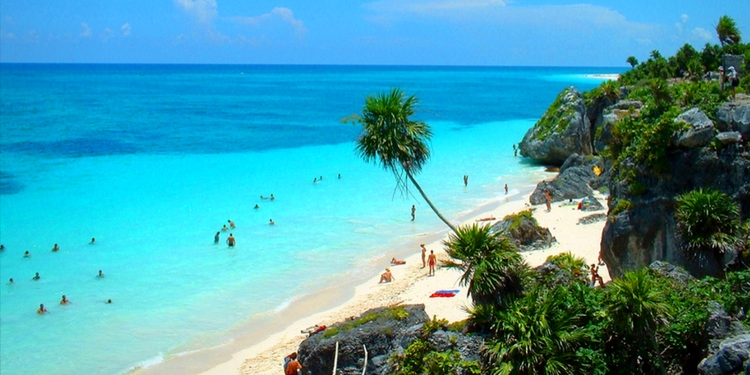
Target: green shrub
(622, 206)
(708, 219)
(397, 312)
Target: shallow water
(153, 160)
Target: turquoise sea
(152, 160)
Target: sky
(381, 32)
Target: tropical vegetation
(646, 322)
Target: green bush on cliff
(554, 121)
(709, 219)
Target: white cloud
(678, 26)
(703, 34)
(684, 18)
(204, 11)
(283, 14)
(125, 29)
(85, 30)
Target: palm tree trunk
(413, 181)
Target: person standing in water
(230, 240)
(413, 211)
(466, 180)
(216, 237)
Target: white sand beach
(413, 286)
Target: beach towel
(444, 293)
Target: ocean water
(152, 160)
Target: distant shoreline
(612, 77)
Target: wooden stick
(365, 366)
(336, 358)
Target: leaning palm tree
(493, 269)
(395, 141)
(727, 31)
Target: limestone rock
(573, 182)
(381, 336)
(563, 130)
(525, 232)
(729, 359)
(735, 115)
(701, 129)
(727, 138)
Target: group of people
(37, 277)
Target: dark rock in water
(592, 219)
(525, 232)
(672, 272)
(735, 115)
(730, 359)
(701, 129)
(562, 131)
(381, 330)
(573, 181)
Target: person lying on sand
(395, 261)
(313, 329)
(386, 277)
(489, 218)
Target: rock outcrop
(563, 130)
(381, 331)
(385, 332)
(735, 115)
(604, 121)
(642, 228)
(573, 182)
(525, 232)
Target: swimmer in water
(101, 274)
(231, 224)
(55, 248)
(270, 222)
(216, 237)
(64, 300)
(36, 277)
(230, 240)
(41, 310)
(224, 228)
(256, 207)
(27, 254)
(93, 240)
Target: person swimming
(27, 254)
(55, 248)
(256, 207)
(224, 228)
(41, 310)
(231, 224)
(216, 237)
(101, 274)
(36, 277)
(271, 222)
(64, 300)
(93, 240)
(10, 281)
(230, 240)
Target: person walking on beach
(230, 240)
(432, 260)
(413, 210)
(548, 199)
(293, 367)
(424, 255)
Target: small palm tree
(395, 141)
(727, 31)
(709, 219)
(493, 269)
(541, 334)
(634, 306)
(632, 61)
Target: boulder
(525, 232)
(592, 219)
(672, 272)
(735, 115)
(563, 130)
(730, 359)
(700, 130)
(576, 173)
(721, 326)
(728, 138)
(605, 122)
(380, 330)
